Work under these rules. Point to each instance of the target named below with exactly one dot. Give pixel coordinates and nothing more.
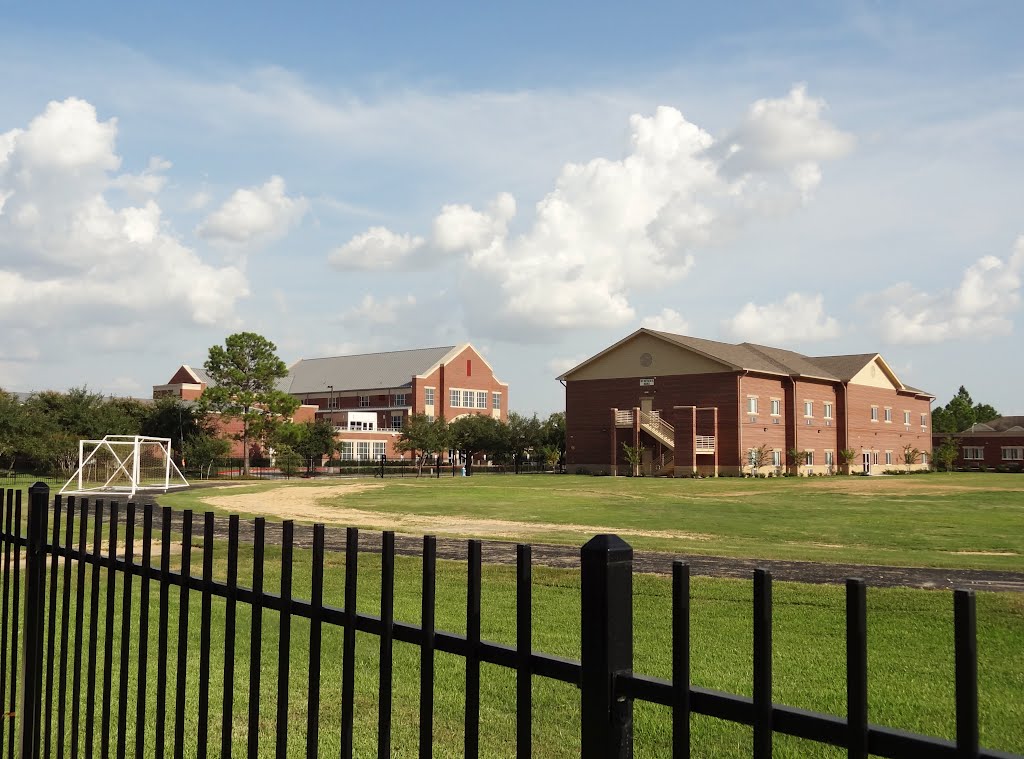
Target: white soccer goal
(124, 464)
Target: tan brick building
(701, 405)
(369, 397)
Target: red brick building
(369, 397)
(701, 405)
(997, 443)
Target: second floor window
(776, 407)
(399, 399)
(481, 399)
(808, 408)
(888, 415)
(874, 413)
(495, 400)
(428, 396)
(454, 398)
(751, 405)
(828, 410)
(364, 400)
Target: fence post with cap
(606, 647)
(30, 701)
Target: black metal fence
(232, 469)
(604, 676)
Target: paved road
(653, 562)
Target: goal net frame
(125, 452)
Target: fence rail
(604, 675)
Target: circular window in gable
(646, 359)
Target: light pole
(330, 403)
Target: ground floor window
(829, 458)
(776, 458)
(972, 453)
(888, 457)
(378, 448)
(809, 458)
(1013, 454)
(347, 452)
(363, 450)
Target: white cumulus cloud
(67, 251)
(612, 228)
(978, 308)
(254, 215)
(376, 248)
(799, 317)
(668, 320)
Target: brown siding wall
(992, 449)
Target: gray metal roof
(368, 371)
(844, 367)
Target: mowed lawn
(938, 520)
(910, 653)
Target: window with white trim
(808, 408)
(973, 453)
(496, 400)
(467, 398)
(888, 414)
(888, 457)
(428, 396)
(828, 411)
(874, 413)
(1013, 454)
(906, 417)
(364, 400)
(809, 458)
(378, 448)
(363, 450)
(924, 459)
(399, 399)
(776, 458)
(332, 401)
(752, 404)
(830, 458)
(776, 407)
(481, 399)
(396, 421)
(454, 398)
(924, 421)
(347, 450)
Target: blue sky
(538, 179)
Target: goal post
(125, 464)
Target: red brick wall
(763, 431)
(866, 435)
(991, 450)
(588, 405)
(474, 376)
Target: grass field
(937, 520)
(910, 651)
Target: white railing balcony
(705, 444)
(623, 418)
(653, 421)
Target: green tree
(634, 456)
(554, 433)
(911, 455)
(961, 412)
(423, 436)
(288, 461)
(172, 418)
(758, 457)
(945, 455)
(474, 434)
(521, 434)
(245, 371)
(12, 421)
(316, 441)
(202, 451)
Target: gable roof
(765, 359)
(367, 371)
(1000, 424)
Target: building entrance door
(867, 463)
(646, 404)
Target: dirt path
(653, 562)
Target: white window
(481, 399)
(346, 450)
(829, 458)
(430, 417)
(924, 459)
(874, 457)
(1013, 454)
(363, 450)
(924, 421)
(399, 399)
(906, 417)
(428, 396)
(828, 411)
(364, 400)
(808, 408)
(496, 400)
(888, 457)
(752, 405)
(972, 453)
(454, 398)
(378, 448)
(776, 458)
(332, 401)
(888, 414)
(776, 407)
(874, 413)
(396, 421)
(809, 458)
(467, 398)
